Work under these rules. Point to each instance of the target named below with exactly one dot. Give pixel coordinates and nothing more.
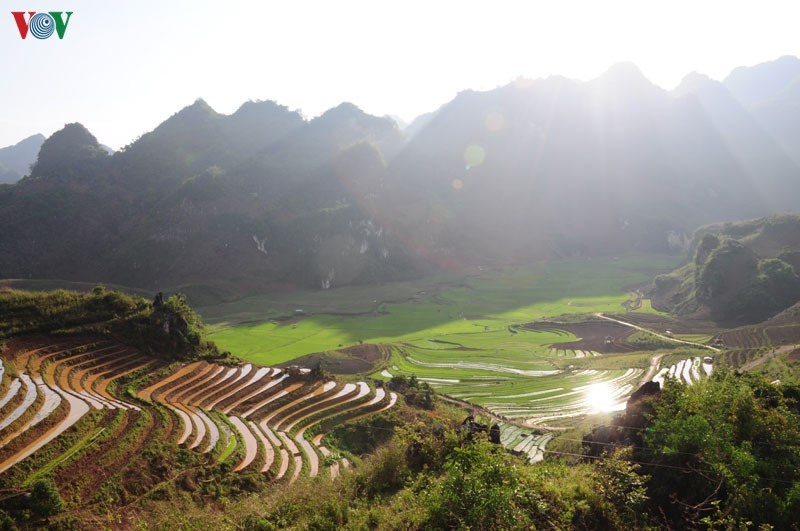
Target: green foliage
(365, 435)
(45, 499)
(479, 490)
(742, 280)
(726, 446)
(6, 522)
(416, 393)
(621, 484)
(647, 341)
(170, 328)
(707, 244)
(24, 312)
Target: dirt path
(651, 372)
(771, 354)
(661, 336)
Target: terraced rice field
(514, 375)
(259, 416)
(687, 371)
(524, 441)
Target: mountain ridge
(533, 169)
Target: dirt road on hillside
(662, 336)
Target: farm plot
(488, 301)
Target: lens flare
(600, 398)
(474, 155)
(457, 184)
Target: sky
(124, 66)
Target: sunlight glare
(600, 398)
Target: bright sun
(600, 398)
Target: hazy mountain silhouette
(16, 160)
(540, 168)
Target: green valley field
(464, 336)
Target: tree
(725, 452)
(45, 499)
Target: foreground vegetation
(721, 454)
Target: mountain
(768, 167)
(263, 197)
(737, 273)
(16, 160)
(559, 166)
(760, 83)
(251, 199)
(771, 92)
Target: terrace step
(183, 385)
(13, 389)
(147, 392)
(265, 398)
(50, 403)
(250, 386)
(262, 404)
(30, 398)
(250, 442)
(289, 444)
(77, 409)
(269, 450)
(231, 388)
(279, 415)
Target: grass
(402, 312)
(647, 307)
(229, 448)
(695, 338)
(77, 447)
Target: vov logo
(42, 25)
